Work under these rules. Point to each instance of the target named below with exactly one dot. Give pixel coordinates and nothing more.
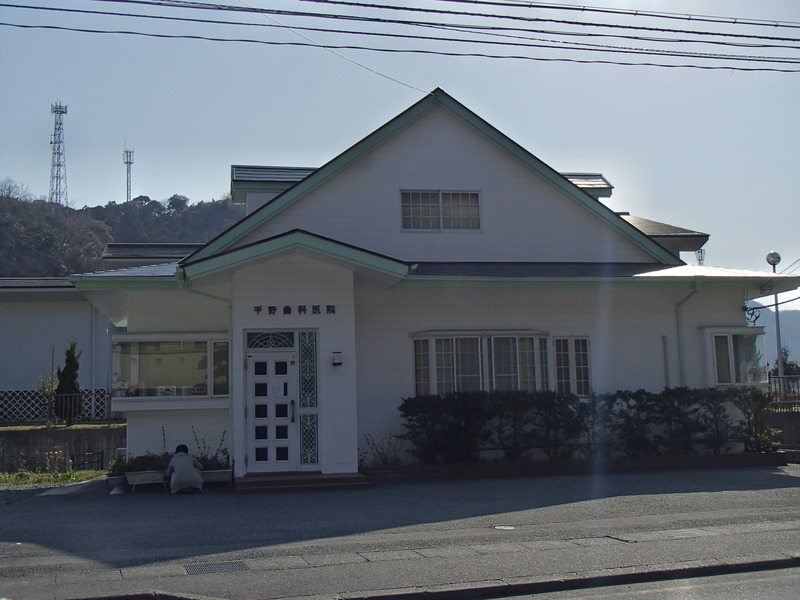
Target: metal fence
(786, 417)
(31, 406)
(786, 408)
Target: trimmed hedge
(457, 427)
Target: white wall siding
(523, 217)
(633, 336)
(293, 280)
(35, 335)
(179, 311)
(160, 431)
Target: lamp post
(773, 258)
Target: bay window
(181, 366)
(460, 363)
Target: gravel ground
(13, 492)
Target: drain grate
(215, 567)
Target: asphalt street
(455, 539)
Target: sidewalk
(447, 539)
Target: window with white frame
(462, 363)
(170, 367)
(737, 356)
(440, 210)
(572, 365)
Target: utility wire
(225, 7)
(338, 54)
(487, 30)
(527, 43)
(629, 12)
(353, 3)
(397, 50)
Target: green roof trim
(437, 98)
(99, 282)
(193, 267)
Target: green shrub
(556, 422)
(676, 411)
(512, 427)
(633, 416)
(447, 428)
(753, 428)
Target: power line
(489, 30)
(400, 50)
(634, 13)
(352, 3)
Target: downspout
(679, 324)
(183, 283)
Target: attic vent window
(439, 210)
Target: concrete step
(293, 482)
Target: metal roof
(267, 173)
(654, 228)
(35, 283)
(159, 270)
(530, 269)
(150, 251)
(593, 183)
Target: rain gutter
(679, 325)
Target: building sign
(300, 309)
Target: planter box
(135, 478)
(217, 476)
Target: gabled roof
(436, 99)
(296, 239)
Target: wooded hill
(44, 239)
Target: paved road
(498, 535)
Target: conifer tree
(68, 401)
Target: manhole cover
(215, 567)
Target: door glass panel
(262, 432)
(282, 453)
(285, 388)
(281, 411)
(260, 368)
(262, 454)
(260, 389)
(281, 367)
(262, 411)
(281, 432)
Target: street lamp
(773, 258)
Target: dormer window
(439, 210)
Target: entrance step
(295, 482)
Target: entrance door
(272, 412)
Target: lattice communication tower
(127, 158)
(58, 167)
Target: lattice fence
(31, 406)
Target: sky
(710, 150)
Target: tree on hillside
(44, 239)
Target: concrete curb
(501, 589)
(504, 590)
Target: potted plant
(146, 468)
(216, 463)
(115, 476)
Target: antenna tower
(58, 168)
(127, 158)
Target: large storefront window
(185, 367)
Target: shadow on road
(130, 529)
